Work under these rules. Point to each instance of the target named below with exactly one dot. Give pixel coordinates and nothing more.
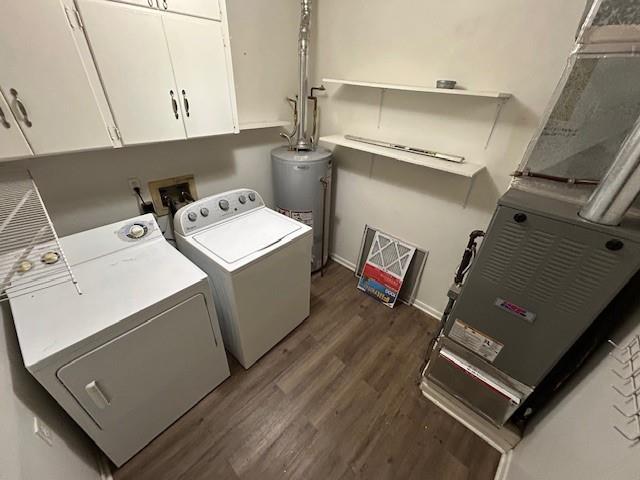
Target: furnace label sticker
(476, 341)
(305, 217)
(516, 310)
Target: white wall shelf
(466, 169)
(270, 124)
(414, 88)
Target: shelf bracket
(382, 93)
(466, 198)
(499, 106)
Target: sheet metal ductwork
(619, 187)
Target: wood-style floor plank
(337, 399)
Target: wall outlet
(42, 430)
(134, 183)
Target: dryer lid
(245, 235)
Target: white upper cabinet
(44, 79)
(12, 142)
(141, 3)
(198, 8)
(205, 85)
(130, 50)
(167, 76)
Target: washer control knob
(224, 205)
(192, 216)
(136, 231)
(204, 211)
(242, 199)
(252, 196)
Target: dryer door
(142, 381)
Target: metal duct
(620, 185)
(303, 141)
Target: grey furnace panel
(542, 276)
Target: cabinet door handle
(97, 396)
(165, 4)
(21, 108)
(3, 120)
(174, 104)
(185, 102)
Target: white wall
(575, 439)
(263, 43)
(517, 46)
(23, 456)
(85, 190)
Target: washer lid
(247, 234)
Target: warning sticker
(476, 341)
(305, 217)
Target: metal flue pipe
(303, 141)
(620, 185)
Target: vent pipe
(303, 141)
(620, 185)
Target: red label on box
(384, 278)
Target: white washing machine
(259, 263)
(137, 349)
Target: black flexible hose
(467, 256)
(461, 272)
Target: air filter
(386, 267)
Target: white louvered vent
(31, 257)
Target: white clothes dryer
(137, 349)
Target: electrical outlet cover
(134, 183)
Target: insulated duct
(620, 185)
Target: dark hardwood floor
(337, 399)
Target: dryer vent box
(175, 188)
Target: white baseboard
(503, 467)
(343, 261)
(428, 309)
(420, 305)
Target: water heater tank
(302, 190)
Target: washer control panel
(215, 209)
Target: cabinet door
(12, 142)
(198, 8)
(200, 66)
(130, 50)
(44, 79)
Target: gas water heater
(302, 170)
